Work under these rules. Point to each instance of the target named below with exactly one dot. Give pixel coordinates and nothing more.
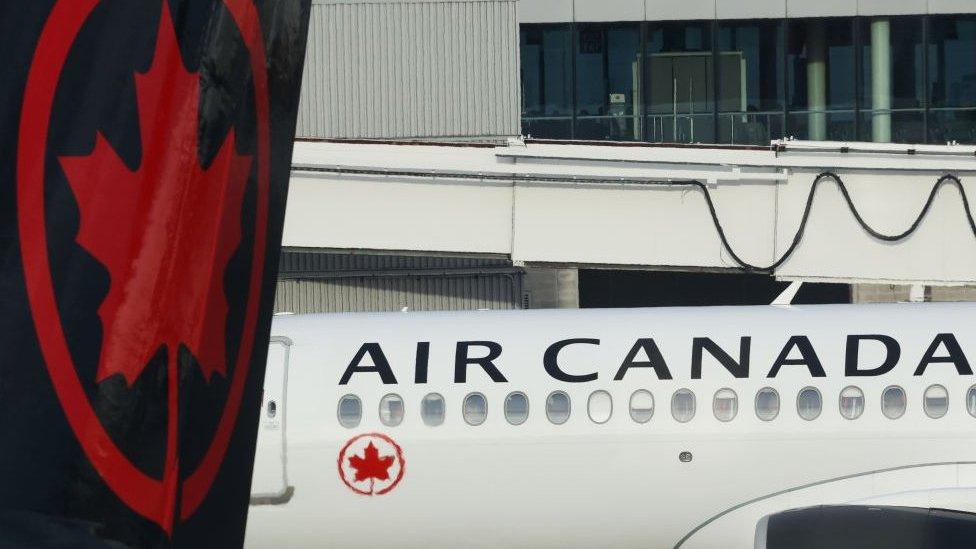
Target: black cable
(948, 178)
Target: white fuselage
(619, 483)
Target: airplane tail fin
(145, 151)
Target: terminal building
(488, 154)
(749, 72)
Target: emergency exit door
(269, 484)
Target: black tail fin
(145, 150)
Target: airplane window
(350, 411)
(809, 403)
(641, 406)
(475, 409)
(725, 404)
(683, 405)
(971, 401)
(516, 408)
(893, 402)
(767, 404)
(432, 409)
(851, 402)
(936, 401)
(391, 410)
(600, 406)
(558, 407)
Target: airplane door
(269, 484)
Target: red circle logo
(122, 349)
(371, 464)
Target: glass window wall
(679, 83)
(547, 80)
(903, 79)
(892, 105)
(952, 78)
(607, 82)
(952, 61)
(750, 87)
(820, 73)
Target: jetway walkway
(840, 212)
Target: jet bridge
(825, 211)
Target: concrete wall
(894, 293)
(551, 288)
(879, 293)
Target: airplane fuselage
(630, 427)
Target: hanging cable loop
(831, 176)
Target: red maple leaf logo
(371, 465)
(164, 231)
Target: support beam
(881, 80)
(817, 81)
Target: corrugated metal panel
(319, 282)
(398, 69)
(393, 294)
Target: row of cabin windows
(599, 406)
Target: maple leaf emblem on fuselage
(165, 231)
(371, 465)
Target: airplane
(749, 426)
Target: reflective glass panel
(892, 83)
(892, 63)
(432, 409)
(474, 409)
(906, 126)
(767, 404)
(391, 410)
(893, 402)
(820, 64)
(548, 128)
(678, 68)
(851, 402)
(751, 66)
(547, 70)
(516, 408)
(350, 411)
(751, 128)
(952, 60)
(936, 401)
(683, 405)
(606, 66)
(971, 401)
(683, 128)
(641, 406)
(946, 126)
(809, 403)
(600, 406)
(820, 78)
(725, 405)
(679, 83)
(607, 128)
(558, 407)
(832, 125)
